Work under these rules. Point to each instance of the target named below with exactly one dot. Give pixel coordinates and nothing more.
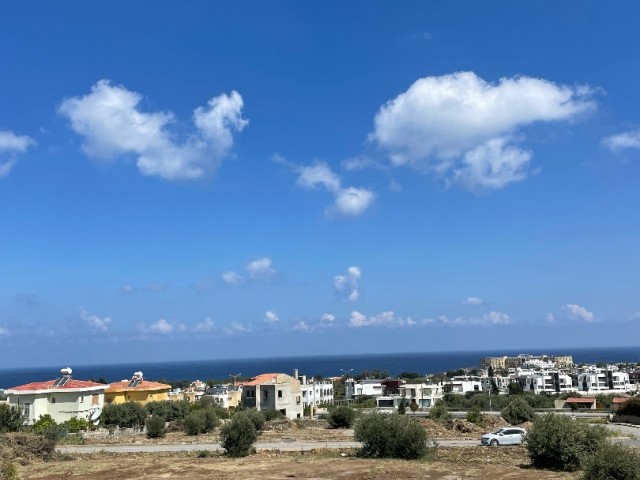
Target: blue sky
(243, 179)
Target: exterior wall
(463, 386)
(62, 406)
(353, 389)
(603, 381)
(281, 393)
(141, 396)
(424, 395)
(319, 393)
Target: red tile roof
(143, 385)
(581, 400)
(48, 385)
(620, 400)
(260, 379)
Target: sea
(325, 365)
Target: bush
(474, 415)
(439, 412)
(613, 462)
(209, 402)
(271, 415)
(391, 436)
(168, 410)
(631, 408)
(517, 411)
(559, 443)
(194, 423)
(342, 417)
(155, 427)
(211, 420)
(11, 418)
(237, 437)
(125, 415)
(75, 425)
(255, 416)
(44, 424)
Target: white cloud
(235, 327)
(10, 145)
(491, 318)
(361, 162)
(3, 331)
(152, 287)
(205, 326)
(161, 326)
(577, 312)
(636, 316)
(493, 165)
(346, 286)
(112, 125)
(95, 322)
(475, 301)
(260, 268)
(623, 141)
(232, 278)
(384, 319)
(348, 201)
(301, 326)
(550, 317)
(127, 289)
(271, 317)
(326, 320)
(459, 125)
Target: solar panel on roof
(61, 382)
(134, 382)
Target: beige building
(274, 391)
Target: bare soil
(451, 464)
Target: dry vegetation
(451, 464)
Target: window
(95, 400)
(279, 393)
(53, 399)
(27, 411)
(81, 398)
(251, 393)
(298, 400)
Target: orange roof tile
(144, 385)
(48, 385)
(620, 400)
(581, 400)
(260, 379)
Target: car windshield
(497, 432)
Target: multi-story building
(462, 385)
(136, 390)
(316, 392)
(547, 382)
(274, 391)
(355, 389)
(424, 395)
(602, 380)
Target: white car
(505, 436)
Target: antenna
(346, 373)
(235, 376)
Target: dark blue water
(331, 365)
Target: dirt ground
(451, 464)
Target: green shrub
(169, 410)
(209, 402)
(11, 418)
(414, 406)
(237, 437)
(559, 443)
(342, 417)
(517, 411)
(125, 415)
(474, 415)
(439, 412)
(629, 412)
(613, 462)
(75, 425)
(255, 416)
(391, 436)
(28, 445)
(271, 414)
(155, 427)
(194, 423)
(44, 424)
(211, 420)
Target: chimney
(295, 373)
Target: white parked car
(505, 436)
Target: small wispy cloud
(326, 320)
(348, 201)
(235, 327)
(10, 146)
(261, 268)
(346, 286)
(473, 301)
(232, 278)
(271, 317)
(97, 323)
(578, 312)
(206, 325)
(161, 327)
(384, 319)
(623, 141)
